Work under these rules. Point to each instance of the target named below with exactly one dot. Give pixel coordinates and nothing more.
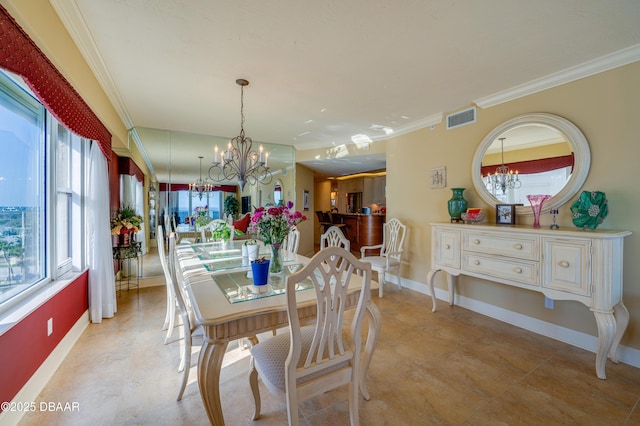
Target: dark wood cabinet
(362, 230)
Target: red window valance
(185, 187)
(534, 166)
(19, 54)
(126, 166)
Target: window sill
(16, 312)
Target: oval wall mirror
(531, 154)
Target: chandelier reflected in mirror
(504, 178)
(240, 162)
(200, 187)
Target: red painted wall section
(25, 346)
(114, 184)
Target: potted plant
(221, 232)
(250, 249)
(231, 206)
(125, 222)
(260, 270)
(202, 216)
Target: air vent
(461, 118)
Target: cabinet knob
(517, 270)
(563, 264)
(517, 246)
(476, 241)
(476, 262)
(447, 246)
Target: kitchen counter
(362, 229)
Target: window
(41, 181)
(183, 203)
(22, 190)
(67, 165)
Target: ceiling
(332, 73)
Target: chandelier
(504, 178)
(200, 187)
(240, 161)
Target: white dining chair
(292, 240)
(180, 238)
(169, 319)
(334, 237)
(390, 257)
(191, 332)
(311, 360)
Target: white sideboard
(585, 266)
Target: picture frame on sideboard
(506, 214)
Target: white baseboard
(581, 340)
(30, 391)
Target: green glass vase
(457, 204)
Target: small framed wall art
(506, 214)
(438, 177)
(305, 200)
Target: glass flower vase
(275, 266)
(536, 206)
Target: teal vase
(457, 204)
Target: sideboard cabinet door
(567, 266)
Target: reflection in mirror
(531, 154)
(530, 159)
(171, 158)
(277, 193)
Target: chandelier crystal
(200, 187)
(504, 178)
(240, 161)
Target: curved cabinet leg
(373, 318)
(622, 320)
(430, 277)
(451, 285)
(209, 365)
(606, 333)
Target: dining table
(217, 281)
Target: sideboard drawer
(520, 247)
(521, 271)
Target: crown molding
(586, 69)
(72, 19)
(133, 134)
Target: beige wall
(304, 181)
(321, 202)
(606, 107)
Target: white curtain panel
(102, 289)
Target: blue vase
(260, 272)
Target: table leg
(373, 318)
(209, 366)
(622, 321)
(611, 327)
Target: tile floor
(454, 367)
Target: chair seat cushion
(379, 262)
(242, 224)
(271, 354)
